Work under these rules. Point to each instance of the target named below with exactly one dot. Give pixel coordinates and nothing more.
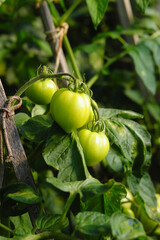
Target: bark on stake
(49, 28)
(19, 159)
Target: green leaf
(4, 238)
(154, 46)
(22, 224)
(114, 161)
(154, 110)
(76, 186)
(66, 186)
(93, 223)
(53, 199)
(51, 222)
(122, 137)
(133, 182)
(134, 95)
(145, 202)
(112, 198)
(97, 10)
(21, 192)
(147, 193)
(124, 227)
(142, 4)
(97, 197)
(38, 110)
(91, 193)
(2, 1)
(142, 156)
(145, 69)
(130, 142)
(16, 197)
(20, 119)
(61, 152)
(110, 113)
(90, 48)
(42, 45)
(37, 128)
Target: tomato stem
(50, 235)
(95, 110)
(6, 228)
(68, 204)
(58, 76)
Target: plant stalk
(69, 11)
(68, 204)
(67, 45)
(58, 76)
(6, 228)
(50, 235)
(108, 63)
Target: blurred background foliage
(111, 66)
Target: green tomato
(128, 211)
(158, 202)
(70, 109)
(95, 146)
(41, 92)
(127, 201)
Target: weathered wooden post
(17, 155)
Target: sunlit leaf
(97, 10)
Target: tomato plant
(75, 198)
(41, 92)
(70, 109)
(95, 146)
(150, 225)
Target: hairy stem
(71, 57)
(68, 204)
(58, 76)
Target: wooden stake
(19, 159)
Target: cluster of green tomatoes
(73, 109)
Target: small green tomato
(70, 109)
(41, 92)
(95, 146)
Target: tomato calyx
(96, 126)
(44, 70)
(80, 87)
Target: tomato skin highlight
(70, 109)
(95, 146)
(41, 92)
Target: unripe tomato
(95, 146)
(128, 211)
(70, 109)
(41, 92)
(158, 202)
(127, 201)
